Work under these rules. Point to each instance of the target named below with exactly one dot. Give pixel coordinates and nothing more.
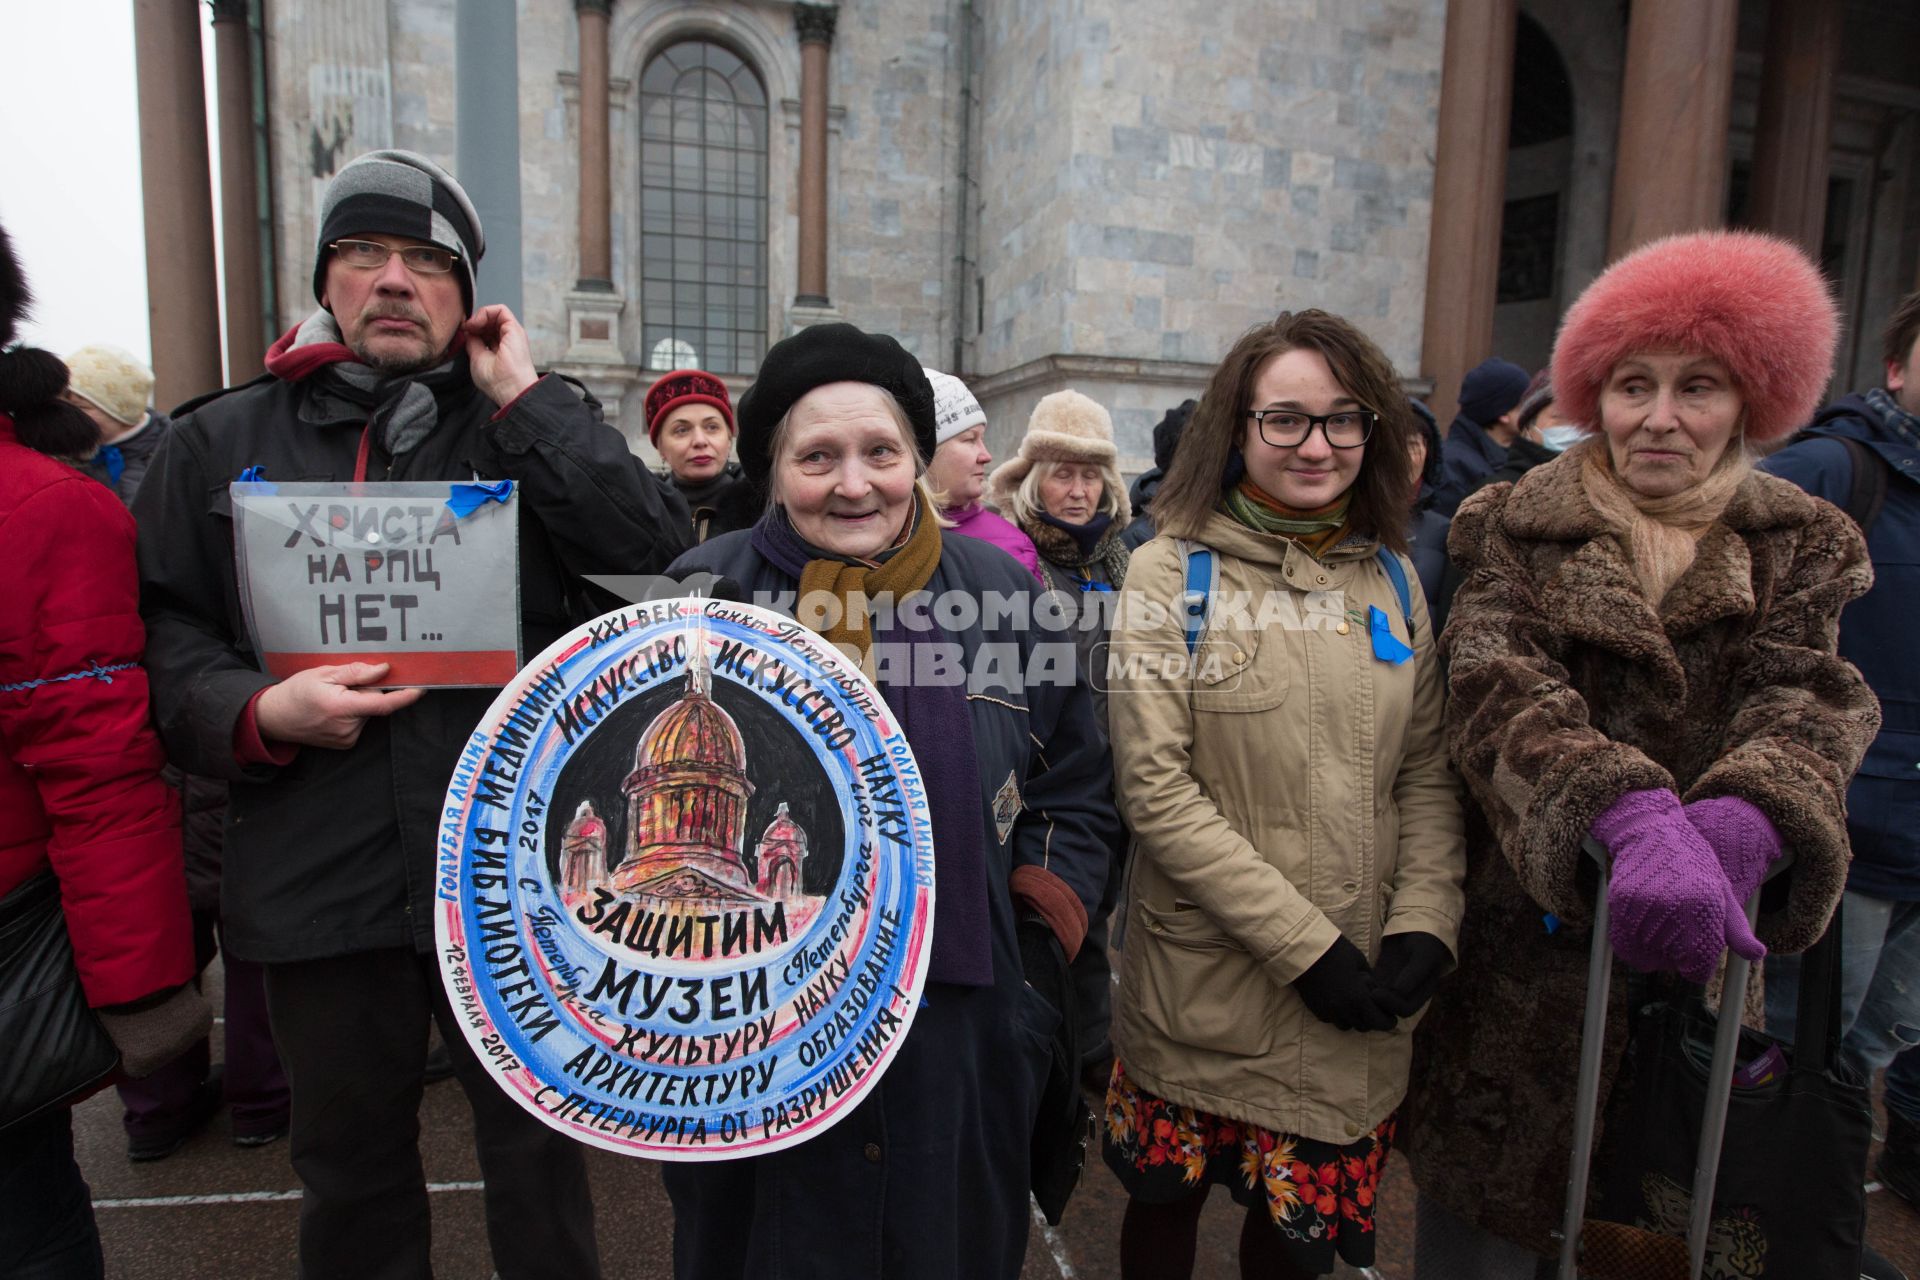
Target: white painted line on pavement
(244, 1197)
(1055, 1245)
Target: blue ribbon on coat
(465, 499)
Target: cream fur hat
(1065, 427)
(112, 381)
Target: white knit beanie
(954, 408)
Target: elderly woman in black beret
(929, 1175)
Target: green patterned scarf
(1317, 529)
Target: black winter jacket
(928, 1176)
(333, 853)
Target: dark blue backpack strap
(1197, 597)
(1397, 575)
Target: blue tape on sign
(1096, 586)
(1386, 646)
(1552, 922)
(465, 499)
(257, 475)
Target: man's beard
(394, 364)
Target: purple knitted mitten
(1672, 906)
(1742, 838)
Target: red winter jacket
(80, 786)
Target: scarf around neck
(1660, 536)
(1318, 529)
(1897, 420)
(1079, 546)
(933, 715)
(401, 412)
(705, 491)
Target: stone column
(1790, 156)
(815, 23)
(177, 198)
(486, 156)
(1469, 187)
(594, 304)
(239, 192)
(596, 226)
(1670, 171)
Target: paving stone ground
(214, 1211)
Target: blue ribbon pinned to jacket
(465, 499)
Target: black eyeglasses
(371, 255)
(1289, 428)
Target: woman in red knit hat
(690, 421)
(1642, 651)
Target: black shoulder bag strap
(1867, 489)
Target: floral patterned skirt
(1321, 1196)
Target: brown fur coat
(1566, 691)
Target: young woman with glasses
(1296, 881)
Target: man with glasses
(337, 784)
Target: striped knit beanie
(400, 193)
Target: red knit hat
(685, 386)
(1754, 302)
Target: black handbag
(56, 1047)
(1789, 1203)
(1057, 1149)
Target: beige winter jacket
(1287, 786)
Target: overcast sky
(70, 169)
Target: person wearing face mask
(690, 421)
(958, 473)
(929, 1175)
(1642, 652)
(1295, 889)
(1541, 436)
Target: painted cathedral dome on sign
(693, 733)
(687, 803)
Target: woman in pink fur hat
(1642, 651)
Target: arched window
(703, 209)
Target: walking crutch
(1713, 1125)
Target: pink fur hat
(1754, 302)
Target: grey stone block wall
(1158, 178)
(1148, 180)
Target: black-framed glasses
(1289, 428)
(371, 255)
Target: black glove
(1340, 989)
(1411, 966)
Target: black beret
(814, 357)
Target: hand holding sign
(420, 576)
(326, 707)
(499, 354)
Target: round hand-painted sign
(685, 883)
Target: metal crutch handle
(1713, 1124)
